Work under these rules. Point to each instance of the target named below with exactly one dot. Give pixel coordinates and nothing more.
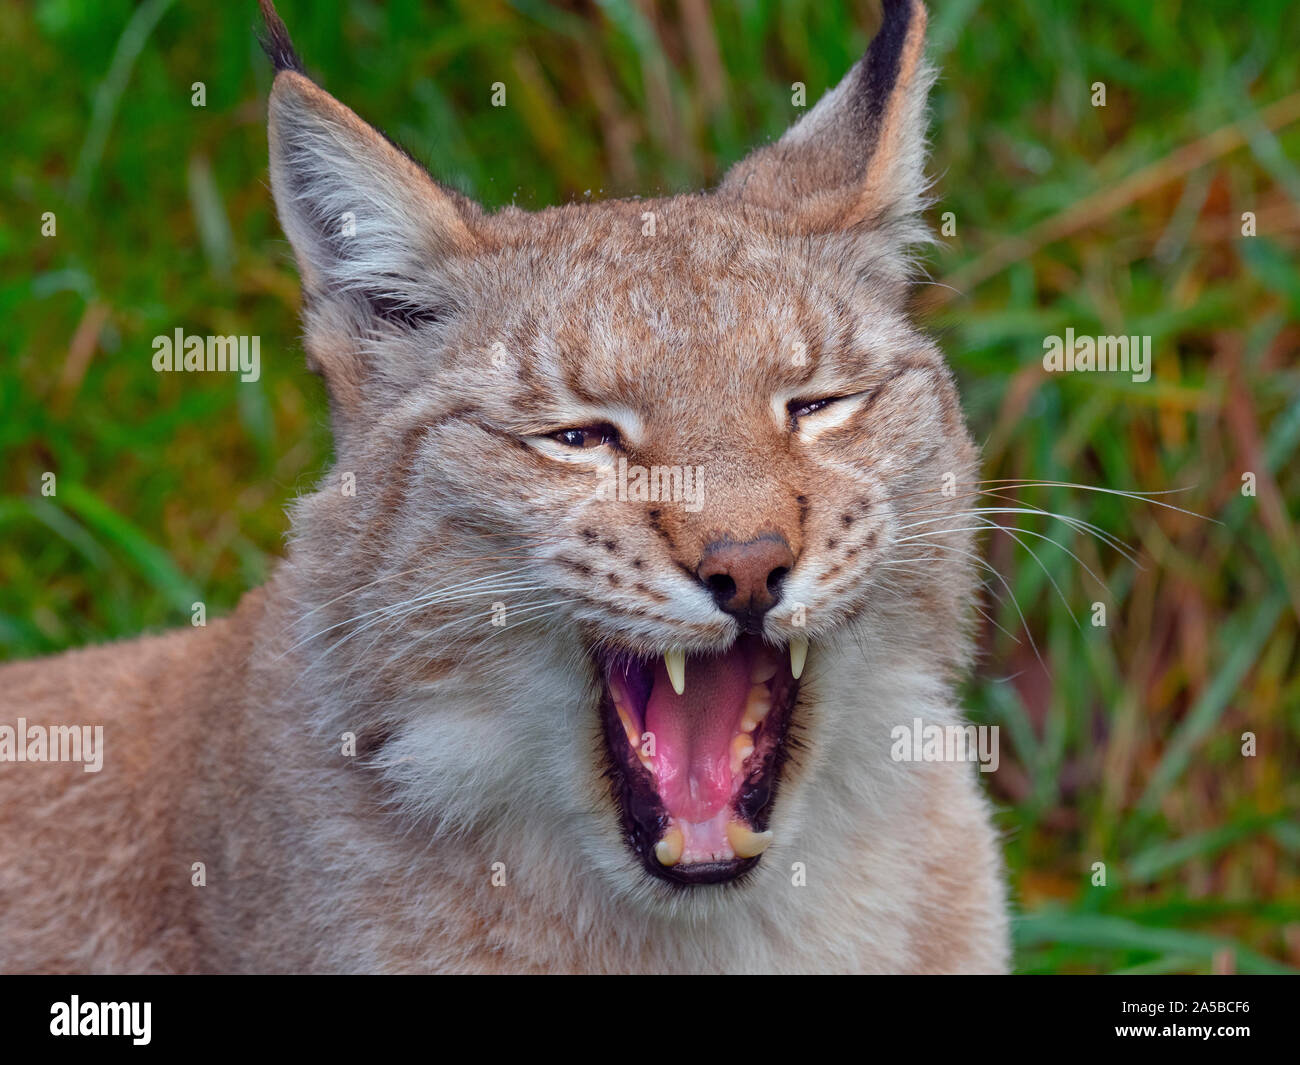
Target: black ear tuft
(275, 40)
(855, 163)
(884, 59)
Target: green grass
(1123, 745)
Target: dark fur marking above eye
(832, 544)
(571, 368)
(846, 520)
(913, 365)
(609, 545)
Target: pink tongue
(693, 732)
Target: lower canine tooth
(741, 748)
(746, 843)
(764, 669)
(756, 707)
(668, 851)
(798, 655)
(629, 729)
(675, 663)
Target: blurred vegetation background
(1121, 744)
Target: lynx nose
(745, 579)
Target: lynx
(486, 717)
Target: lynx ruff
(651, 767)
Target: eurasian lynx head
(618, 561)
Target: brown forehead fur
(692, 326)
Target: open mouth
(698, 742)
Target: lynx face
(678, 449)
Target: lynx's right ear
(855, 163)
(376, 238)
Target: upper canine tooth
(747, 843)
(798, 655)
(668, 851)
(675, 663)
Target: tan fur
(478, 745)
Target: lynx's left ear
(856, 161)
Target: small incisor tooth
(675, 663)
(798, 655)
(741, 748)
(745, 842)
(668, 851)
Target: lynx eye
(800, 408)
(587, 436)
